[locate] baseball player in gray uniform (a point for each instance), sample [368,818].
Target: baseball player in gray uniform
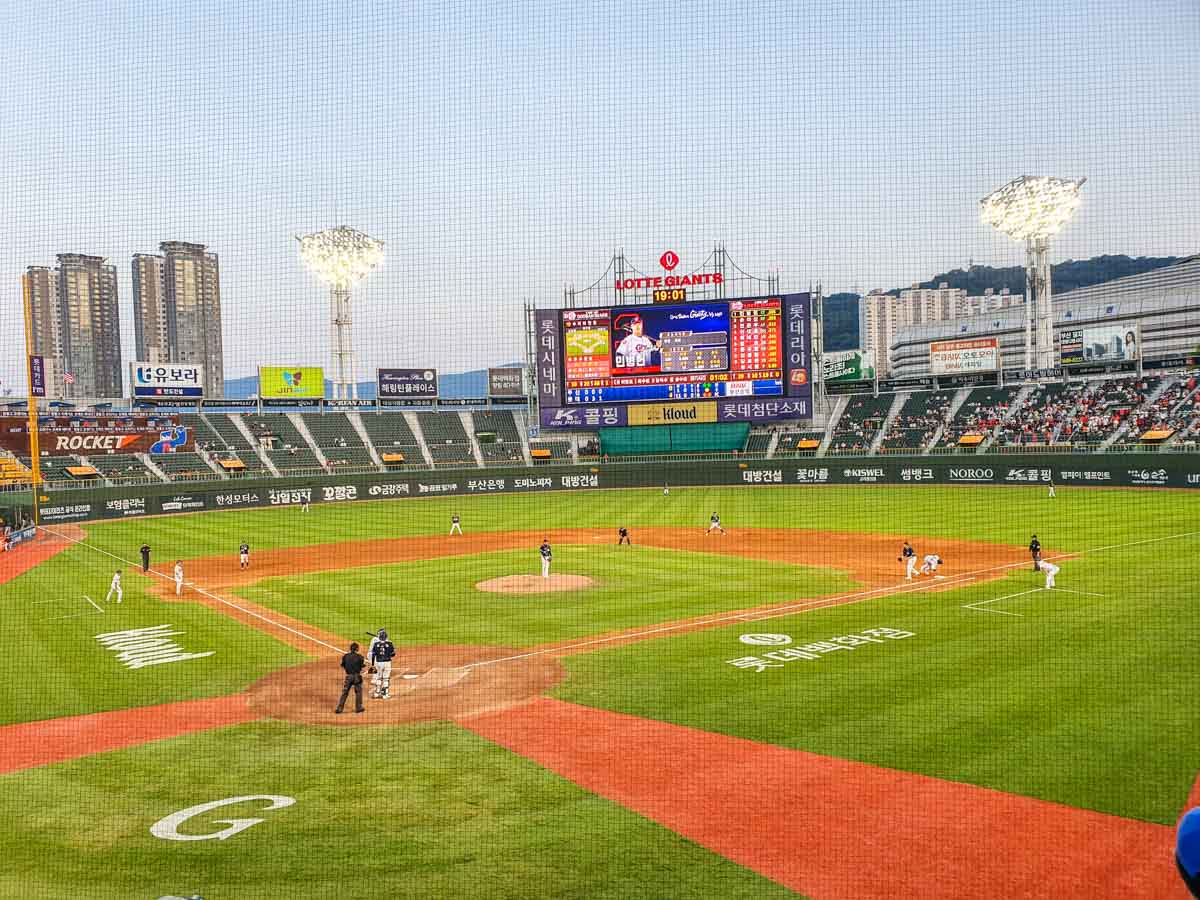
[547,554]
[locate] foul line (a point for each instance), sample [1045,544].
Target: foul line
[200,590]
[807,605]
[975,606]
[93,602]
[825,603]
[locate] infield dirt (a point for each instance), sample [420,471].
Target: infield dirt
[307,693]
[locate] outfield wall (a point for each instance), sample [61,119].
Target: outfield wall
[1123,470]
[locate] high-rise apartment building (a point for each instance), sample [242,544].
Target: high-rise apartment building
[39,287]
[149,310]
[73,310]
[177,310]
[881,316]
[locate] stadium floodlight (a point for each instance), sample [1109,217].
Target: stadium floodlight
[1032,209]
[341,257]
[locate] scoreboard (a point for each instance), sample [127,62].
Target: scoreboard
[737,360]
[692,351]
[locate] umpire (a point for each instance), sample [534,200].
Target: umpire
[352,664]
[1035,550]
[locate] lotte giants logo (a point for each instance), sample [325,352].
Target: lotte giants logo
[668,261]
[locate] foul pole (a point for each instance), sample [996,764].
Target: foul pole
[35,465]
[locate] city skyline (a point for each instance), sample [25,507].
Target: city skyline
[504,154]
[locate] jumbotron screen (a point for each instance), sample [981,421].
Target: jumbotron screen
[688,351]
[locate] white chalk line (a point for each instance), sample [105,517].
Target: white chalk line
[976,606]
[790,609]
[93,602]
[809,604]
[200,590]
[823,603]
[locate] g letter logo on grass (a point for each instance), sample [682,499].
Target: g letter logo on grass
[765,640]
[167,829]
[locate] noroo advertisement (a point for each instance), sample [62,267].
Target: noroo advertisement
[1065,471]
[291,382]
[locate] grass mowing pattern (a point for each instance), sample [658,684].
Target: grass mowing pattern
[429,811]
[435,601]
[1083,700]
[54,667]
[1078,699]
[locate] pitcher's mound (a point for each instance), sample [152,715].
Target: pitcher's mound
[535,584]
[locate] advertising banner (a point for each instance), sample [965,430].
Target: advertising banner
[284,382]
[37,376]
[1099,344]
[218,403]
[549,363]
[965,357]
[406,384]
[848,365]
[866,386]
[63,436]
[797,317]
[508,382]
[170,380]
[672,413]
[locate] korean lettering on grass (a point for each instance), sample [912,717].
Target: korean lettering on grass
[815,650]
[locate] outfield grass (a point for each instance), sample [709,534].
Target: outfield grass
[52,665]
[1080,699]
[1084,700]
[428,811]
[1078,519]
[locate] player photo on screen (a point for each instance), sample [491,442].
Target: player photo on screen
[634,348]
[662,339]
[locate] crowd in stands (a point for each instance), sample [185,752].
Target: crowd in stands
[863,418]
[981,413]
[1104,408]
[918,420]
[1123,408]
[1039,416]
[1175,409]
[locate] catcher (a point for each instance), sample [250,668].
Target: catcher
[380,657]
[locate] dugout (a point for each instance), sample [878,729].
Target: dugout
[718,438]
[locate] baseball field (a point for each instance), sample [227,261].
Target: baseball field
[775,711]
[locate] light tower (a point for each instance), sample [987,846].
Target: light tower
[1032,208]
[341,257]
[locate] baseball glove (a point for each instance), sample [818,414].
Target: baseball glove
[370,670]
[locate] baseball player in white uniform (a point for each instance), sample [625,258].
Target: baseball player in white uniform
[714,524]
[115,587]
[178,578]
[547,554]
[635,348]
[455,524]
[931,563]
[1051,570]
[244,555]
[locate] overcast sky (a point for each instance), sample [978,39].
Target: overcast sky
[502,150]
